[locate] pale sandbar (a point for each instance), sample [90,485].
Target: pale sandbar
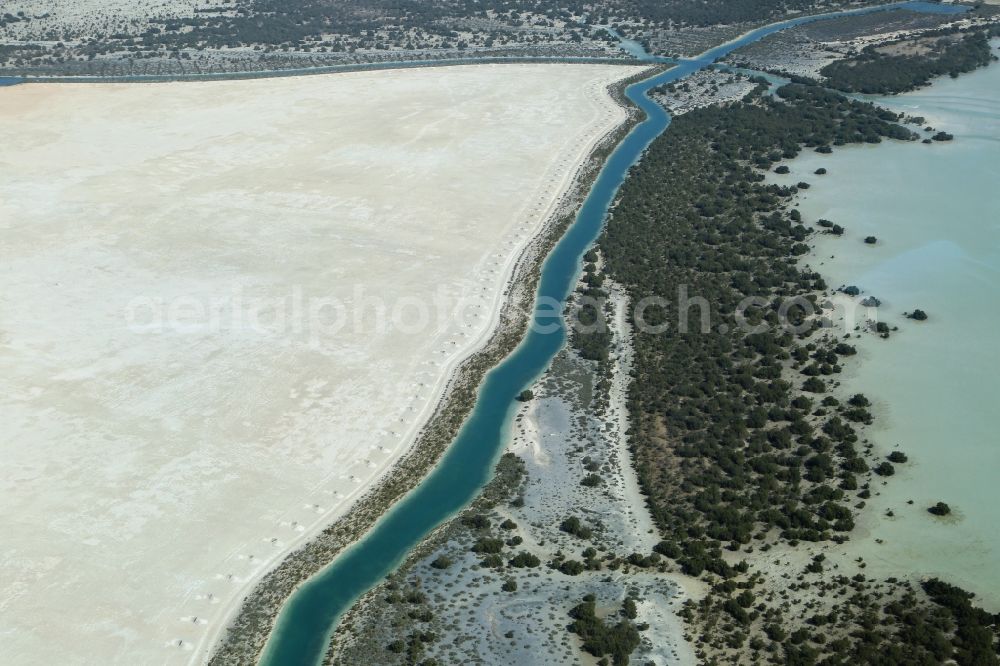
[179,407]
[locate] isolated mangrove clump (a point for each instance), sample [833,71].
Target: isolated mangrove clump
[940,509]
[885,469]
[830,227]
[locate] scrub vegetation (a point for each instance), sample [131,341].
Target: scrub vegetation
[727,443]
[742,441]
[902,66]
[739,441]
[741,445]
[270,35]
[695,13]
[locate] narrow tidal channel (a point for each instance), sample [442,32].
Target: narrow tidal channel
[303,628]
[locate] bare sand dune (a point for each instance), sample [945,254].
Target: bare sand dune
[179,404]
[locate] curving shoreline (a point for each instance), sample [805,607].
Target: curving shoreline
[546,450]
[301,631]
[247,631]
[450,396]
[912,413]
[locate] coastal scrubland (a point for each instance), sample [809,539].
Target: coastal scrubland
[741,439]
[897,50]
[748,452]
[714,387]
[904,65]
[554,540]
[704,88]
[753,460]
[192,37]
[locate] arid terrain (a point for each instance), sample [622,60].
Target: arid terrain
[235,305]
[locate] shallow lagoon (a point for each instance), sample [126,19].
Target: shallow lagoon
[936,384]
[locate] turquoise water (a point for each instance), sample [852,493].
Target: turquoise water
[303,628]
[634,48]
[305,624]
[935,384]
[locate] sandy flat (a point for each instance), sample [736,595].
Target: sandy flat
[195,375]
